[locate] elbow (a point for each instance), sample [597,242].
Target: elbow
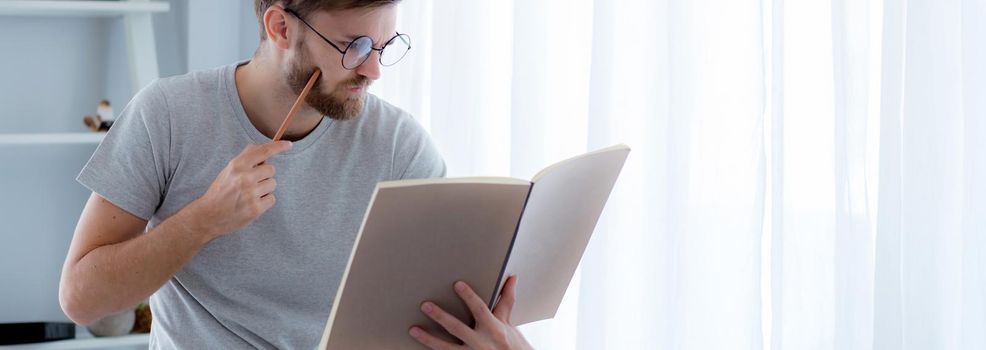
[73,305]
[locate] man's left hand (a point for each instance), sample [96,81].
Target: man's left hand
[493,329]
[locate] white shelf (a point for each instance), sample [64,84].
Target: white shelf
[125,341]
[94,8]
[52,138]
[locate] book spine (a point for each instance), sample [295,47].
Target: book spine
[503,268]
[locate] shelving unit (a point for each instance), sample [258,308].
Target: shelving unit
[51,138]
[49,161]
[79,8]
[141,50]
[142,53]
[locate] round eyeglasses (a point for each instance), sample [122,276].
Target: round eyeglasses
[358,50]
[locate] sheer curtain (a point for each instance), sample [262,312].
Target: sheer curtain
[879,233]
[803,174]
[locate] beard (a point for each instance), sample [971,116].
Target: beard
[327,103]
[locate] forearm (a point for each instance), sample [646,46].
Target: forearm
[117,276]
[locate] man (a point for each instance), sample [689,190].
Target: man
[231,262]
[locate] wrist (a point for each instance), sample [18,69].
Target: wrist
[194,222]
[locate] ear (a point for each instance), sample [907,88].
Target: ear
[276,26]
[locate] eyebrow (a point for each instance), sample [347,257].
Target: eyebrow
[350,37]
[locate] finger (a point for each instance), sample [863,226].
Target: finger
[476,305]
[265,187]
[506,303]
[451,324]
[266,202]
[262,172]
[429,340]
[260,153]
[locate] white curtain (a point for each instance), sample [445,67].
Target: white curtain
[878,231]
[803,174]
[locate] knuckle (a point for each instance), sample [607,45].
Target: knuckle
[247,150]
[254,208]
[475,308]
[457,328]
[242,164]
[500,337]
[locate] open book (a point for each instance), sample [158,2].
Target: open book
[420,236]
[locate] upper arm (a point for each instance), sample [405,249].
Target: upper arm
[102,223]
[132,165]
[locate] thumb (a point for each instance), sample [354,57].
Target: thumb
[507,298]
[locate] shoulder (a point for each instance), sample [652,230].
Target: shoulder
[165,93]
[413,152]
[187,99]
[192,86]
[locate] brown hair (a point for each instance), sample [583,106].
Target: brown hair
[305,7]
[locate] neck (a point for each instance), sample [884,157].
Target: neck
[266,99]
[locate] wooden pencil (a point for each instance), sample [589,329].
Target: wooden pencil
[297,105]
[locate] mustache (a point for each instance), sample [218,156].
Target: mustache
[359,81]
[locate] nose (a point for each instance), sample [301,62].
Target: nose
[371,67]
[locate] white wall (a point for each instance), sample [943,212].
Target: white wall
[220,32]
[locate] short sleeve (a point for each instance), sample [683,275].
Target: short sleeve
[417,154]
[130,168]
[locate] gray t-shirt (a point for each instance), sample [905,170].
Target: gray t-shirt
[271,284]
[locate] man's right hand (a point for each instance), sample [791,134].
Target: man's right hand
[242,191]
